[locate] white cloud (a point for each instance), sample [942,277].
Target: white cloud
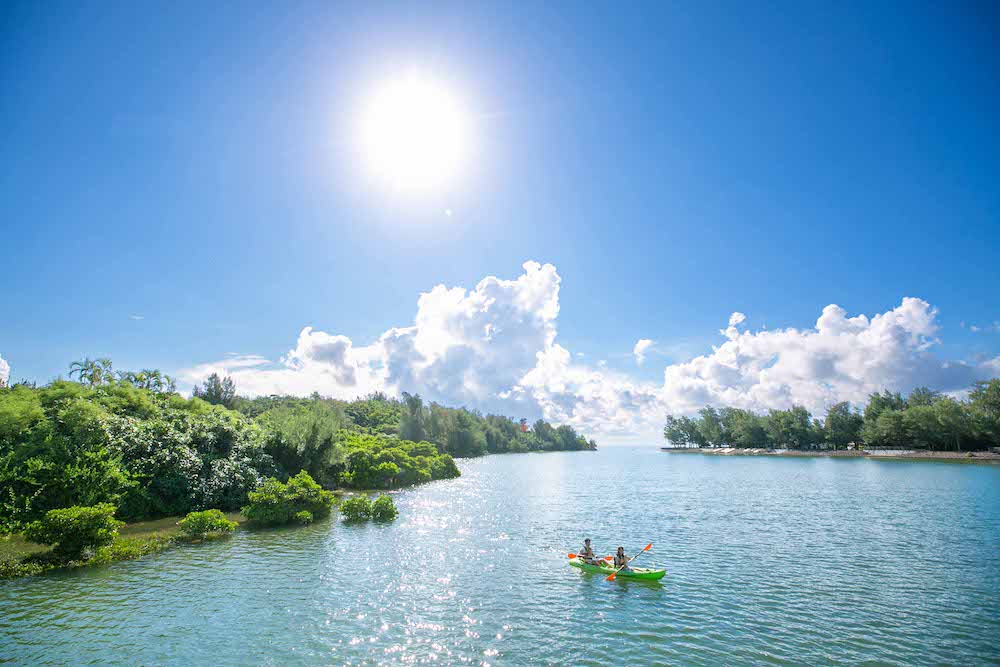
[494,348]
[641,348]
[594,400]
[136,316]
[842,358]
[974,328]
[734,321]
[4,371]
[465,347]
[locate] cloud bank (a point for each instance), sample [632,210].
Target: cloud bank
[494,348]
[4,371]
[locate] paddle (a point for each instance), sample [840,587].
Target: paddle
[571,556]
[611,577]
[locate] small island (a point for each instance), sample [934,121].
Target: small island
[926,425]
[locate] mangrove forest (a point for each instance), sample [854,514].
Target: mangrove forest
[129,440]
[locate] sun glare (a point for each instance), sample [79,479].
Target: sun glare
[414,135]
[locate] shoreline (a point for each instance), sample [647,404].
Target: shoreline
[149,536]
[134,540]
[877,455]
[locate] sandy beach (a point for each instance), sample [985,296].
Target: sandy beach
[890,454]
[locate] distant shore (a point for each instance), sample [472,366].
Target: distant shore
[880,454]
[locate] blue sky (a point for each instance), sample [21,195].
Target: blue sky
[195,166]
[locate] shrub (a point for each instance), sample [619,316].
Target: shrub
[304,517]
[268,505]
[130,548]
[11,567]
[443,467]
[275,504]
[358,508]
[378,462]
[200,524]
[307,495]
[383,509]
[74,530]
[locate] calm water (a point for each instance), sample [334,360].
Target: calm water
[769,560]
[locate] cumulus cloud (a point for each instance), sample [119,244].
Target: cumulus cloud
[466,347]
[495,348]
[641,348]
[595,400]
[4,371]
[842,358]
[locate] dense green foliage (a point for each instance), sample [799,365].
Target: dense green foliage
[75,530]
[362,508]
[217,391]
[925,419]
[150,453]
[200,524]
[358,508]
[381,463]
[383,509]
[306,435]
[276,503]
[127,439]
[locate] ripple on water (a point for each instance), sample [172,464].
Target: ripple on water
[769,561]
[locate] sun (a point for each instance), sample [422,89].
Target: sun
[414,134]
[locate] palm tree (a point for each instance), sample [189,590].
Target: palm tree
[152,379]
[81,369]
[88,371]
[127,376]
[104,371]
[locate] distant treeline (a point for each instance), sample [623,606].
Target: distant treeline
[128,439]
[923,420]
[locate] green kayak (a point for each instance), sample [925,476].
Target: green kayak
[636,573]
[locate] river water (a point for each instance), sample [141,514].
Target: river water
[769,561]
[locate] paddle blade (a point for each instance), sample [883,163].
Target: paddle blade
[571,555]
[610,577]
[648,547]
[608,558]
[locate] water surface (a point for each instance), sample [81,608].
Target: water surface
[769,561]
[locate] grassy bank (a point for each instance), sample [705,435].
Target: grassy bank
[19,558]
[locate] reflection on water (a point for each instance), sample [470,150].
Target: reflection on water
[782,561]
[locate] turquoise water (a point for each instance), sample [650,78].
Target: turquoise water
[769,561]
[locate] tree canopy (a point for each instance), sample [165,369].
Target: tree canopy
[925,419]
[128,439]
